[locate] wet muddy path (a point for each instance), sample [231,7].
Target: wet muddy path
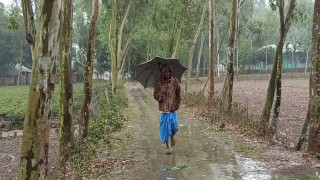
[198,154]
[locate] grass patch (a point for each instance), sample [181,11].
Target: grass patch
[239,120]
[13,101]
[84,155]
[110,118]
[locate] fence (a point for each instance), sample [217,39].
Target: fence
[7,79]
[12,79]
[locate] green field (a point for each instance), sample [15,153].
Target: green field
[13,100]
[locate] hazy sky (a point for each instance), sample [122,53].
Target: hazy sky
[6,2]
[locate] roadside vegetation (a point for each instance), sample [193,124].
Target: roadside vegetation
[13,101]
[86,160]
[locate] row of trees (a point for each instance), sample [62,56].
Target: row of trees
[49,35]
[268,126]
[130,32]
[167,28]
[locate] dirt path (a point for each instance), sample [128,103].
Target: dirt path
[199,153]
[202,155]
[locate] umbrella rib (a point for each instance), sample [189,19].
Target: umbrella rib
[145,85]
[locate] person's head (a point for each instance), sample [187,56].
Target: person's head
[165,72]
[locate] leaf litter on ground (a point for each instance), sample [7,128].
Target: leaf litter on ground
[177,167]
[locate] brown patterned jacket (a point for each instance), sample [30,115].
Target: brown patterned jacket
[169,101]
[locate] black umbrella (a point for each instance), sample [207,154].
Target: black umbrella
[148,73]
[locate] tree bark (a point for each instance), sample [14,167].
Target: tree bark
[35,141]
[314,127]
[265,116]
[177,43]
[305,68]
[124,55]
[66,90]
[20,65]
[228,81]
[113,44]
[89,69]
[199,56]
[115,41]
[212,10]
[29,24]
[193,45]
[273,126]
[303,134]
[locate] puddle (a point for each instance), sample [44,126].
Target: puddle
[202,155]
[250,169]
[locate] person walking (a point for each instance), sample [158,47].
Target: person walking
[167,93]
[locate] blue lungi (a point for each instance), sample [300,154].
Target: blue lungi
[168,126]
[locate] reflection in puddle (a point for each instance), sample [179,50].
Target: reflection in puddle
[250,169]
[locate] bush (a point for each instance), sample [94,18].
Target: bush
[110,117]
[194,99]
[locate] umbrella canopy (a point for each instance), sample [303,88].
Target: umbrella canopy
[148,73]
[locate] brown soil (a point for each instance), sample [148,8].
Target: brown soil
[294,104]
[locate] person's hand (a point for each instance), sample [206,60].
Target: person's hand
[163,89]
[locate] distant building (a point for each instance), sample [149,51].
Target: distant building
[10,77]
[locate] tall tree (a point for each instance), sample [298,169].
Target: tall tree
[113,43]
[264,120]
[66,93]
[212,11]
[89,69]
[199,56]
[194,44]
[314,106]
[272,129]
[35,141]
[181,29]
[228,81]
[117,50]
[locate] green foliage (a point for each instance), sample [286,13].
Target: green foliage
[81,154]
[11,39]
[177,167]
[13,21]
[111,117]
[317,155]
[13,101]
[193,99]
[284,178]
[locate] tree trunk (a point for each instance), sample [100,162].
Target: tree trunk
[314,127]
[228,81]
[113,44]
[89,69]
[263,123]
[120,51]
[236,38]
[20,66]
[303,134]
[266,61]
[65,101]
[212,10]
[218,54]
[305,68]
[199,56]
[35,141]
[273,126]
[124,55]
[177,43]
[192,47]
[115,41]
